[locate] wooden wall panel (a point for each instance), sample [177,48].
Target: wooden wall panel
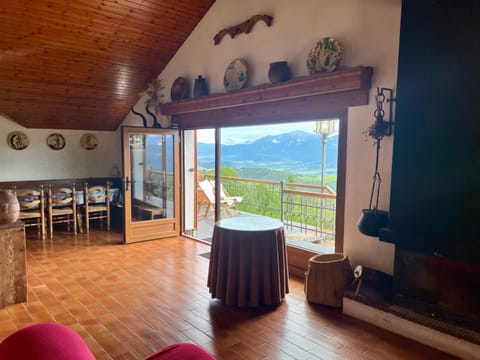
[81,64]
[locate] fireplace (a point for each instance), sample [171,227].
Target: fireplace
[434,210]
[440,288]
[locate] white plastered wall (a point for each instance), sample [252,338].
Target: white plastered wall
[38,161]
[369,33]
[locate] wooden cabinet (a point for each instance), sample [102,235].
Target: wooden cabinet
[13,266]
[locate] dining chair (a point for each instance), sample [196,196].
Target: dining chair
[32,208]
[96,205]
[62,208]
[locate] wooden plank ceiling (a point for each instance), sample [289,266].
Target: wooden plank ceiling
[80,64]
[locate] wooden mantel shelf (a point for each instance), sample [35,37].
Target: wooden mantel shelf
[308,97]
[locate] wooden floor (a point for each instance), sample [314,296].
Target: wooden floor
[128,300]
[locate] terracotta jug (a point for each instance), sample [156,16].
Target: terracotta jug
[9,207]
[279,72]
[180,89]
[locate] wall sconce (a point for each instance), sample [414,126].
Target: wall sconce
[382,127]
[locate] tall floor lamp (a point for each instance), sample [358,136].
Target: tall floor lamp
[324,128]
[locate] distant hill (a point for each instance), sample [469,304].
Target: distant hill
[296,151]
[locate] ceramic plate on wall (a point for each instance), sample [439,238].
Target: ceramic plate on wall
[324,56]
[18,140]
[235,75]
[88,141]
[56,141]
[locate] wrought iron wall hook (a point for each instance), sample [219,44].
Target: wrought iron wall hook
[390,99]
[382,127]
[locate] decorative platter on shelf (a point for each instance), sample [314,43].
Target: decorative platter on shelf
[325,56]
[18,140]
[56,141]
[235,75]
[88,141]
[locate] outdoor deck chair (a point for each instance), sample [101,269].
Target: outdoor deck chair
[224,195]
[206,196]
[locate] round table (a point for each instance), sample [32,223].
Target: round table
[248,261]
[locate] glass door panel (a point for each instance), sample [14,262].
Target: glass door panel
[151,165]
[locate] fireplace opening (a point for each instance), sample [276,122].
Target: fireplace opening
[440,288]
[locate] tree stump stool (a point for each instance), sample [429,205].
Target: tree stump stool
[326,278]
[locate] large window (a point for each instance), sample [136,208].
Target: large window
[286,171]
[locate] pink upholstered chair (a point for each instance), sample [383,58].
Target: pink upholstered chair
[51,341]
[181,351]
[45,341]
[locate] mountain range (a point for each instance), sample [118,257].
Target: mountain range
[296,152]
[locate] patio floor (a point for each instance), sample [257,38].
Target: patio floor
[294,236]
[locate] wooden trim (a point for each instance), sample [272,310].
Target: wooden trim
[308,97]
[310,193]
[218,154]
[298,260]
[27,184]
[155,228]
[341,183]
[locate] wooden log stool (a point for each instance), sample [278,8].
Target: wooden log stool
[326,278]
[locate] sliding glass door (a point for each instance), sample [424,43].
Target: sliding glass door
[285,171]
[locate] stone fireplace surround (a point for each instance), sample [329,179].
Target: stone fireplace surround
[423,301]
[417,330]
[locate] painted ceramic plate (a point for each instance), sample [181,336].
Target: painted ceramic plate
[235,75]
[18,140]
[324,56]
[88,141]
[56,141]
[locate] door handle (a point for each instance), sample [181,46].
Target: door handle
[127,183]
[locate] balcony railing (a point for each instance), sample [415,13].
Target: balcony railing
[309,209]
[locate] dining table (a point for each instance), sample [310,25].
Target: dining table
[248,261]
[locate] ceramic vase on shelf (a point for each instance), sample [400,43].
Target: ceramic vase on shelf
[279,72]
[200,88]
[180,89]
[9,207]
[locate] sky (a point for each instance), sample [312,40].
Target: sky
[247,134]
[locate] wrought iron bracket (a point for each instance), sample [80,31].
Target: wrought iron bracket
[390,99]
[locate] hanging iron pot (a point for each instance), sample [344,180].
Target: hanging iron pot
[372,220]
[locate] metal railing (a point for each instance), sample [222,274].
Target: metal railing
[309,208]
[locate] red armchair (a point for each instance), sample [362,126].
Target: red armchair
[45,341]
[51,341]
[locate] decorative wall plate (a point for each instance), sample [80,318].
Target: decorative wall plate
[235,75]
[18,140]
[324,56]
[56,141]
[88,141]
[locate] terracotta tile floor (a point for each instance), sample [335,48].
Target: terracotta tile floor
[128,300]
